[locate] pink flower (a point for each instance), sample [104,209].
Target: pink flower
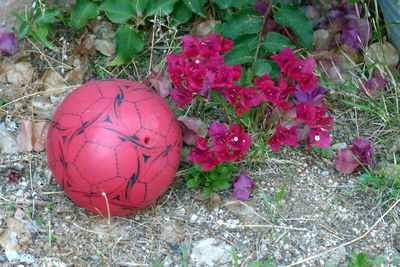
[211,45]
[226,45]
[219,132]
[249,98]
[190,45]
[223,153]
[209,161]
[195,80]
[238,139]
[180,96]
[320,138]
[226,75]
[243,185]
[302,72]
[363,149]
[283,136]
[306,112]
[285,59]
[197,154]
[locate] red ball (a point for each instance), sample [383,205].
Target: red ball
[114,146]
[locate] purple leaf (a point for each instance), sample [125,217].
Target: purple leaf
[315,96]
[8,43]
[373,87]
[363,149]
[191,128]
[261,7]
[346,161]
[159,82]
[243,186]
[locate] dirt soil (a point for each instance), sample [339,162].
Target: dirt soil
[321,211]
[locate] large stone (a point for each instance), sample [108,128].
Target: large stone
[8,8]
[210,252]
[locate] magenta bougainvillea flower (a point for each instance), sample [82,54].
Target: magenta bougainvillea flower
[8,43]
[363,149]
[306,112]
[285,59]
[320,137]
[243,186]
[201,67]
[283,136]
[225,144]
[181,97]
[349,159]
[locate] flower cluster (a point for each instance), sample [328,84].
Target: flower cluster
[200,68]
[225,144]
[299,95]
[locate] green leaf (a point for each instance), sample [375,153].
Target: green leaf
[160,7]
[242,3]
[46,17]
[246,21]
[118,11]
[294,18]
[192,183]
[139,6]
[181,14]
[40,35]
[207,192]
[274,74]
[223,4]
[221,185]
[239,54]
[129,42]
[24,16]
[82,11]
[274,42]
[24,29]
[261,67]
[196,6]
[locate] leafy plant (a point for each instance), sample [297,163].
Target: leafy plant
[217,178]
[363,260]
[38,22]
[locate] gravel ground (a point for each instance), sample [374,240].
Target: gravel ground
[320,211]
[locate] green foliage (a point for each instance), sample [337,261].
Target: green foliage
[259,264]
[363,260]
[261,67]
[185,253]
[160,7]
[387,179]
[158,264]
[181,14]
[118,11]
[323,151]
[294,18]
[82,11]
[245,21]
[39,222]
[196,6]
[217,178]
[274,42]
[37,23]
[239,54]
[129,42]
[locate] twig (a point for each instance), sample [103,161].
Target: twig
[349,242]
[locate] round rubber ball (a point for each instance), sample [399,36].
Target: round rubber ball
[114,146]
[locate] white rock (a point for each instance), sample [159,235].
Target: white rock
[210,252]
[8,141]
[382,53]
[20,73]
